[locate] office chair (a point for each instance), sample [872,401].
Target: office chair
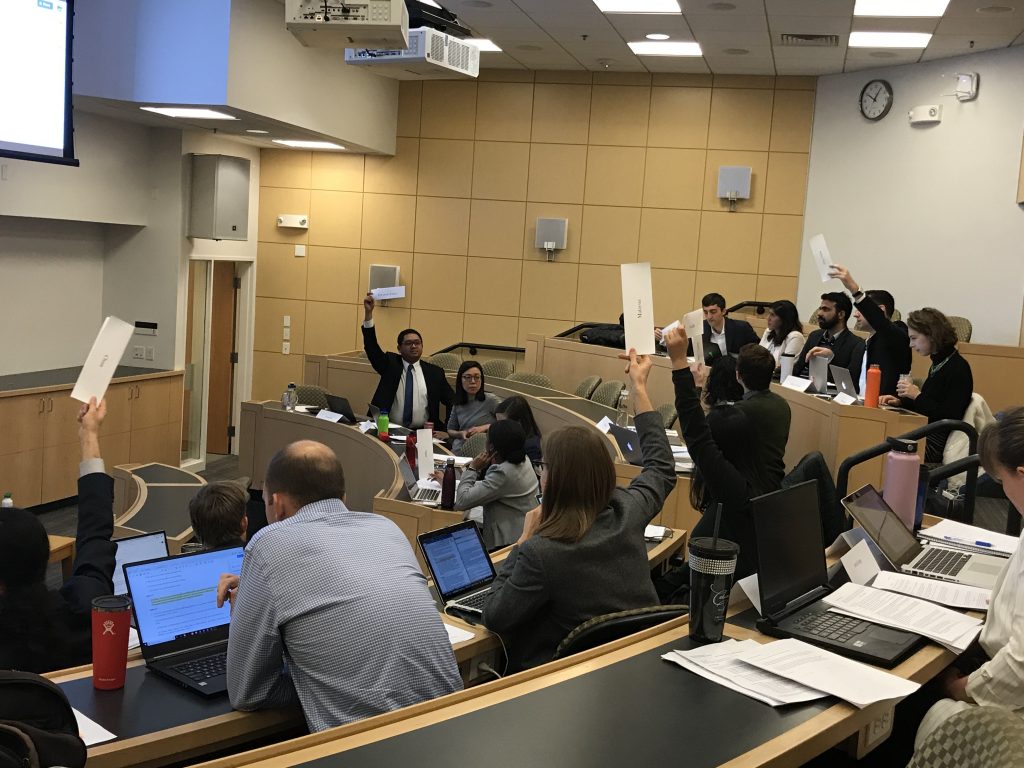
[980,737]
[528,377]
[447,360]
[963,327]
[611,626]
[472,446]
[813,467]
[668,414]
[586,387]
[497,369]
[608,393]
[310,394]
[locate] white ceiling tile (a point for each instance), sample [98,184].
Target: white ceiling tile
[969,9]
[809,55]
[861,58]
[980,25]
[942,46]
[494,60]
[688,65]
[753,52]
[635,27]
[734,39]
[809,25]
[717,23]
[743,8]
[809,7]
[736,68]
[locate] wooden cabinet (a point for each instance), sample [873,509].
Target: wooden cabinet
[39,449]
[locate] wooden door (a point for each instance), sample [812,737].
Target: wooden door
[222,347]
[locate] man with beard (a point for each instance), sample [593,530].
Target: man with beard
[833,339]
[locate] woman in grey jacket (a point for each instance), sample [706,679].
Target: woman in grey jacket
[501,480]
[582,552]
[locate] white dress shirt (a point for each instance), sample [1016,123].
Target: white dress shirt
[719,339]
[419,396]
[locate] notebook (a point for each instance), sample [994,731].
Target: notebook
[459,565]
[906,554]
[182,633]
[134,549]
[792,578]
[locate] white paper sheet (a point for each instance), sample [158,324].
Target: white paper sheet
[797,383]
[91,731]
[104,357]
[638,307]
[970,538]
[935,591]
[604,424]
[393,292]
[457,634]
[327,415]
[860,564]
[693,324]
[133,639]
[822,258]
[655,532]
[752,589]
[666,329]
[366,426]
[817,668]
[424,449]
[844,399]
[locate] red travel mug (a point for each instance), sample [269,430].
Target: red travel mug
[110,627]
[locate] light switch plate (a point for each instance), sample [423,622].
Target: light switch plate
[287,321]
[300,250]
[286,334]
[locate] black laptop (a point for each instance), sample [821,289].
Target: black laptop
[792,578]
[459,565]
[340,405]
[629,444]
[182,632]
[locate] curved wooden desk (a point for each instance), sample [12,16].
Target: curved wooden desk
[154,497]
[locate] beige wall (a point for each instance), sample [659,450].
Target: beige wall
[632,163]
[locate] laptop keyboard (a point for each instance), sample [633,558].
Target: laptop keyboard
[944,562]
[832,626]
[474,602]
[427,494]
[202,669]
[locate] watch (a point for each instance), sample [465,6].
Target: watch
[876,99]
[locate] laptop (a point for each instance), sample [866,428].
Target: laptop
[844,382]
[629,444]
[906,554]
[792,578]
[134,549]
[429,497]
[459,565]
[394,428]
[341,406]
[182,632]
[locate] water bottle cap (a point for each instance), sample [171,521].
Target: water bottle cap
[451,462]
[900,445]
[874,365]
[291,385]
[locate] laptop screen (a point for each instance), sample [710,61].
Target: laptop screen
[148,546]
[176,597]
[869,509]
[790,552]
[457,559]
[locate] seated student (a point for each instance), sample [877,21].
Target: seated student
[768,413]
[582,552]
[517,409]
[721,387]
[502,481]
[833,339]
[40,630]
[410,389]
[722,334]
[218,515]
[725,469]
[331,606]
[784,334]
[888,345]
[473,408]
[947,390]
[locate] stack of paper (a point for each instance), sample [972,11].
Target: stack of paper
[935,591]
[953,630]
[721,663]
[970,538]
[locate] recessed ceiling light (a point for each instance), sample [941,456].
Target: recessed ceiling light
[482,43]
[995,9]
[904,8]
[638,6]
[889,39]
[198,114]
[665,49]
[255,130]
[529,48]
[657,36]
[299,144]
[736,51]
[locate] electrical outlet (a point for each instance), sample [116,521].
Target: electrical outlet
[286,347]
[286,334]
[150,353]
[138,353]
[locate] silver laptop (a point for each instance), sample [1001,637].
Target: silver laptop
[906,554]
[844,382]
[429,497]
[459,565]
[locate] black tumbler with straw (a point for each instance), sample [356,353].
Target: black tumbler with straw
[712,566]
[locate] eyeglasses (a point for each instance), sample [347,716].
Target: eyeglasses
[412,343]
[471,377]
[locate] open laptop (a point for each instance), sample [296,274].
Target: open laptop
[135,549]
[341,406]
[629,444]
[844,382]
[792,578]
[459,565]
[906,554]
[394,428]
[183,634]
[429,497]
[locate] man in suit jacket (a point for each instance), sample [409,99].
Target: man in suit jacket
[888,346]
[411,389]
[768,412]
[722,334]
[833,339]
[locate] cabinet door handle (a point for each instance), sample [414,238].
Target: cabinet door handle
[42,405]
[131,391]
[49,405]
[138,391]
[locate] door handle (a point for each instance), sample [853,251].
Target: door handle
[42,405]
[49,405]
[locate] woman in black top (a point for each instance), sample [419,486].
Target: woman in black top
[517,409]
[947,391]
[719,445]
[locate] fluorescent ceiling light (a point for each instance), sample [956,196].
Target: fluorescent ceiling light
[299,144]
[199,114]
[889,39]
[657,36]
[255,130]
[482,43]
[901,8]
[430,2]
[665,49]
[638,6]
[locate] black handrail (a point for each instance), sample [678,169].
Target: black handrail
[760,306]
[474,347]
[577,329]
[949,425]
[969,464]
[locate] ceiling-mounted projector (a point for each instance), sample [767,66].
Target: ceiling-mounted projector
[431,55]
[337,24]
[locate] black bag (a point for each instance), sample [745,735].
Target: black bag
[37,724]
[606,335]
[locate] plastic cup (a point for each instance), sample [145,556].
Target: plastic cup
[712,566]
[786,363]
[110,628]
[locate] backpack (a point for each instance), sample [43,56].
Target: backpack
[606,335]
[37,724]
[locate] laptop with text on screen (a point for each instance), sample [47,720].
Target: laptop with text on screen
[792,578]
[135,549]
[459,565]
[182,632]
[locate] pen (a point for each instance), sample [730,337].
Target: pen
[968,542]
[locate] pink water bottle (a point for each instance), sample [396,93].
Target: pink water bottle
[902,470]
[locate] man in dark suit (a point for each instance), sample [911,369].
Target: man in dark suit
[410,389]
[833,339]
[768,412]
[722,334]
[888,346]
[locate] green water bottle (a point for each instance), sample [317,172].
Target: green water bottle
[382,425]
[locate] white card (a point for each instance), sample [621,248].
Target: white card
[797,383]
[693,323]
[860,564]
[424,452]
[638,307]
[844,399]
[90,731]
[110,344]
[329,415]
[394,292]
[604,424]
[457,634]
[822,258]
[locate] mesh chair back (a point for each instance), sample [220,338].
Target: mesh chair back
[612,626]
[896,315]
[529,377]
[473,446]
[497,369]
[668,414]
[586,387]
[447,360]
[310,394]
[979,737]
[963,327]
[608,393]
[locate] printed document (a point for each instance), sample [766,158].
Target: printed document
[970,538]
[104,357]
[935,591]
[638,307]
[822,258]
